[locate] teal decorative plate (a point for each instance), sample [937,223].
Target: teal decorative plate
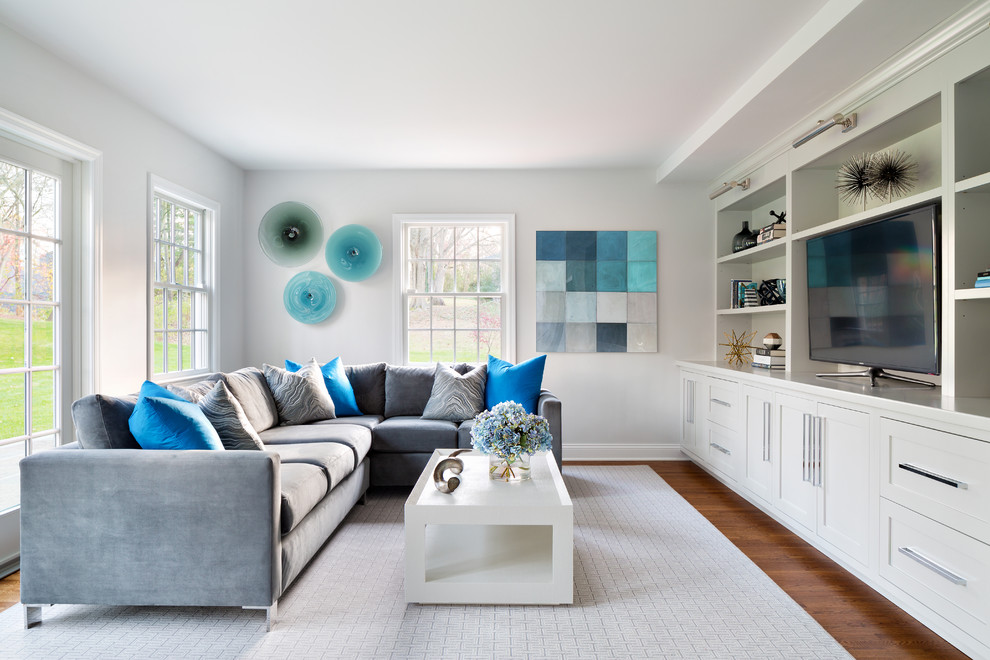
[310,297]
[354,253]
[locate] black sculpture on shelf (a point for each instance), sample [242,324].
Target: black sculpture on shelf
[770,293]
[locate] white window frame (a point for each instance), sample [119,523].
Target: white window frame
[210,210]
[400,224]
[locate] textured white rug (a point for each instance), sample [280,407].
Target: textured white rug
[652,579]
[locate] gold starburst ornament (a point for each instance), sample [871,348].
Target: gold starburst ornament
[739,348]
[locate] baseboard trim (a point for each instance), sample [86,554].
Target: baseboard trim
[612,452]
[9,566]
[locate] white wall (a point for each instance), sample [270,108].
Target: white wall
[614,405]
[134,142]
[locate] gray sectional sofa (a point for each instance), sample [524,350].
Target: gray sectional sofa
[218,528]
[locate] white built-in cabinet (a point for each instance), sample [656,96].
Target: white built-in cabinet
[893,483]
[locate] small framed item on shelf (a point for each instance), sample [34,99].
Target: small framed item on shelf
[983,279]
[749,294]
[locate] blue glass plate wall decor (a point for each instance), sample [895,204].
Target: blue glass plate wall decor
[354,253]
[310,297]
[290,234]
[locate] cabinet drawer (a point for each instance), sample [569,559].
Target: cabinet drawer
[941,475]
[723,402]
[943,569]
[724,453]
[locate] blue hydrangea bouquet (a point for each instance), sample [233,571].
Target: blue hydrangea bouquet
[510,436]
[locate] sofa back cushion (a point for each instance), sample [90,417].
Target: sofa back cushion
[101,422]
[368,382]
[250,388]
[407,389]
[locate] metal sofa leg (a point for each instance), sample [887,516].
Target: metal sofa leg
[32,616]
[270,614]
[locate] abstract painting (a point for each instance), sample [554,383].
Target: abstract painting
[596,291]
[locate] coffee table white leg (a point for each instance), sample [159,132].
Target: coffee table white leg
[563,560]
[415,557]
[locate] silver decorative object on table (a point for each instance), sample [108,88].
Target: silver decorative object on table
[453,464]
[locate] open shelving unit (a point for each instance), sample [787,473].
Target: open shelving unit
[939,120]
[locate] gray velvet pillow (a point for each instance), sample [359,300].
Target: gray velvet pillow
[228,418]
[407,389]
[456,397]
[300,397]
[368,383]
[250,388]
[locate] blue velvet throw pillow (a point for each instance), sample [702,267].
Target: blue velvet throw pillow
[339,387]
[163,420]
[520,383]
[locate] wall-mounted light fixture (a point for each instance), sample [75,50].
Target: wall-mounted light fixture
[726,187]
[847,122]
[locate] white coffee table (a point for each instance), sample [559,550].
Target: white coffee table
[489,541]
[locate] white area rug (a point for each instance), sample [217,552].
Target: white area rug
[652,579]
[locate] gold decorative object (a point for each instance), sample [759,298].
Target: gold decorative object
[739,348]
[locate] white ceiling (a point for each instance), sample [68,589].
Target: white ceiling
[479,83]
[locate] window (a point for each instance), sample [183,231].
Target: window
[455,275]
[181,326]
[32,311]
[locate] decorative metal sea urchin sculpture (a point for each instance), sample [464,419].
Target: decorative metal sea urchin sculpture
[853,179]
[891,174]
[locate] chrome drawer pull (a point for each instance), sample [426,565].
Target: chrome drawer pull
[931,565]
[715,445]
[722,403]
[955,483]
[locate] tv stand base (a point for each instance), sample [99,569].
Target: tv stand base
[873,373]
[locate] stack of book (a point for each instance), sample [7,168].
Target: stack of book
[983,280]
[768,358]
[771,232]
[736,296]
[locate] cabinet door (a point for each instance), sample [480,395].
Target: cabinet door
[845,477]
[796,496]
[757,468]
[689,412]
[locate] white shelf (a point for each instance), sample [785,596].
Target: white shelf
[762,309]
[971,294]
[764,252]
[865,216]
[979,184]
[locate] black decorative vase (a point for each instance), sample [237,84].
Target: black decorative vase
[744,239]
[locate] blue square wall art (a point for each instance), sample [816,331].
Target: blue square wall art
[596,291]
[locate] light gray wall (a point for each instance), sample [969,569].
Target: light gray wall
[615,405]
[134,142]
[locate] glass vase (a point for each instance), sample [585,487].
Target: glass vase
[511,468]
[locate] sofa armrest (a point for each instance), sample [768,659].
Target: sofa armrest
[137,527]
[549,406]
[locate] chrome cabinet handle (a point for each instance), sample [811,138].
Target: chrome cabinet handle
[805,446]
[715,445]
[722,403]
[934,476]
[933,565]
[820,451]
[766,431]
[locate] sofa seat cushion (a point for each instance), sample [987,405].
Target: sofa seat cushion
[367,421]
[336,460]
[303,486]
[354,436]
[414,435]
[464,434]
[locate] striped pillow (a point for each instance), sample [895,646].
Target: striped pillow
[300,397]
[456,397]
[228,418]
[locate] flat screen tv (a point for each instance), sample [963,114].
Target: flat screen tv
[873,295]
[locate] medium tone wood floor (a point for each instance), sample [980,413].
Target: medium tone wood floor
[863,621]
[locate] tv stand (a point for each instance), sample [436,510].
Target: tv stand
[873,373]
